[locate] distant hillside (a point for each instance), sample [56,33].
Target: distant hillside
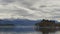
[21,22]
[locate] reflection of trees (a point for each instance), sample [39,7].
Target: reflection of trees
[46,30]
[47,26]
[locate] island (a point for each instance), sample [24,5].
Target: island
[47,26]
[48,23]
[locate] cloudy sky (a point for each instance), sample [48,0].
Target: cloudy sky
[30,9]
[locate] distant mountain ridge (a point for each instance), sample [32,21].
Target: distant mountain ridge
[21,22]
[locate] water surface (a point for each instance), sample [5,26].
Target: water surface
[28,30]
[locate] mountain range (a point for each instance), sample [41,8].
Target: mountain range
[21,22]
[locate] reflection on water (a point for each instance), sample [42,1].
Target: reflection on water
[29,30]
[6,28]
[17,28]
[47,30]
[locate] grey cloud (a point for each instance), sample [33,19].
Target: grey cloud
[45,10]
[6,2]
[20,12]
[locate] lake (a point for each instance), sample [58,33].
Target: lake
[28,30]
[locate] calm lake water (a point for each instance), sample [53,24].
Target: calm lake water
[28,30]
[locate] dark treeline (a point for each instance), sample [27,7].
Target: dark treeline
[47,26]
[47,23]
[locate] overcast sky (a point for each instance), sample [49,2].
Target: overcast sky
[30,9]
